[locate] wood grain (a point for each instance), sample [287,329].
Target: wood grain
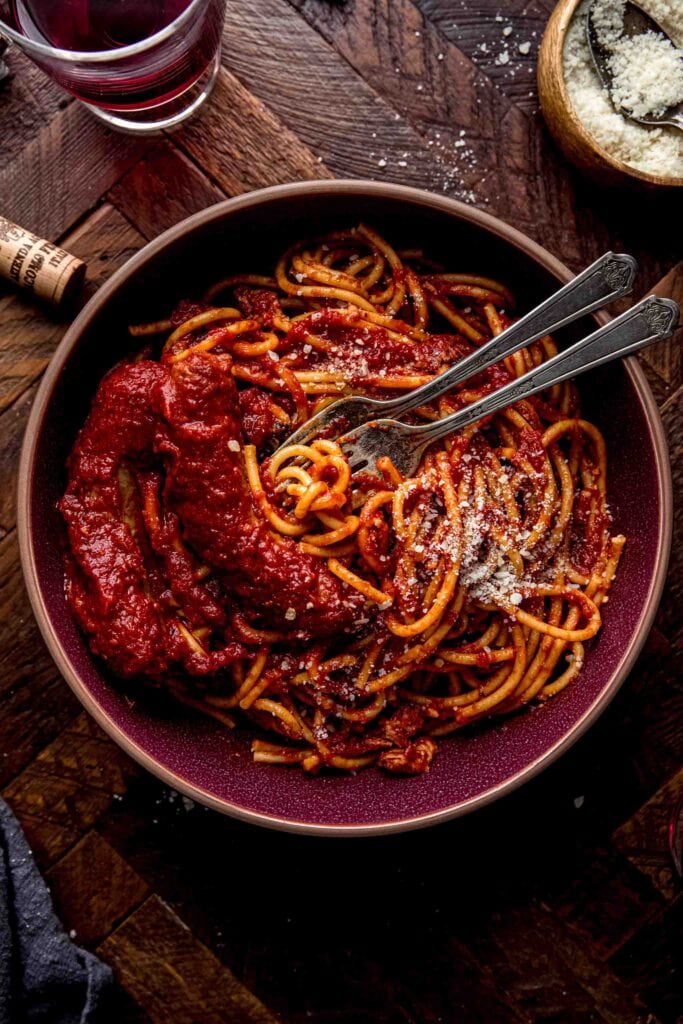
[330,107]
[644,837]
[172,976]
[29,333]
[670,617]
[67,787]
[508,161]
[555,906]
[29,98]
[242,145]
[667,359]
[12,424]
[35,702]
[162,189]
[63,170]
[651,962]
[606,902]
[546,971]
[481,30]
[481,145]
[93,889]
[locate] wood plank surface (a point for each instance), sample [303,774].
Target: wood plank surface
[501,39]
[173,976]
[94,889]
[62,171]
[29,98]
[558,905]
[29,333]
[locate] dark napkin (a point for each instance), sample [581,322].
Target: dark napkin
[44,977]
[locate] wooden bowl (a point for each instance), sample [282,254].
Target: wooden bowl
[194,754]
[575,141]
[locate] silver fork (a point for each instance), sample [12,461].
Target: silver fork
[648,321]
[607,279]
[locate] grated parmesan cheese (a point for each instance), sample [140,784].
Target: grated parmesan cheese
[486,570]
[647,69]
[648,76]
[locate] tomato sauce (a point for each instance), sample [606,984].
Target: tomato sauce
[183,423]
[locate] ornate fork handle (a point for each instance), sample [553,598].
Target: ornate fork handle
[608,278]
[648,321]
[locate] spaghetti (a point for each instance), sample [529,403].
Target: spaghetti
[356,620]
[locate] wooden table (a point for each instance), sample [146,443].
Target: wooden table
[556,905]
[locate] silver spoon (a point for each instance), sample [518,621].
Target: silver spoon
[635,23]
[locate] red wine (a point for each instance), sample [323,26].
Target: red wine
[163,71]
[94,24]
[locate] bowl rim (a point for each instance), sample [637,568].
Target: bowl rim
[351,188]
[562,17]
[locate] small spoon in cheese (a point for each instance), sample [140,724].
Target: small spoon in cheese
[639,65]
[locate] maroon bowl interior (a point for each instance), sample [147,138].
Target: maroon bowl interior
[213,764]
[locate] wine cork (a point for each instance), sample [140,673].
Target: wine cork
[38,266]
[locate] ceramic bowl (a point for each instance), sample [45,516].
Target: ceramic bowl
[212,764]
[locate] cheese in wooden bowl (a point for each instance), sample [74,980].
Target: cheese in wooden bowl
[647,77]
